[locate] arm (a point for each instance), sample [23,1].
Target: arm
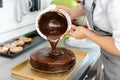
[73,12]
[76,12]
[105,42]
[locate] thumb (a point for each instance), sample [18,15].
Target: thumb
[73,27]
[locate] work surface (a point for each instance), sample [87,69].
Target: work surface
[7,63]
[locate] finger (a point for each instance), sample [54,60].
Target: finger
[58,7]
[73,27]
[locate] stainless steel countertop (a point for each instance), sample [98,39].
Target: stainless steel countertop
[7,63]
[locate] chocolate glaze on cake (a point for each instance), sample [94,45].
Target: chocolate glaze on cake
[53,25]
[43,61]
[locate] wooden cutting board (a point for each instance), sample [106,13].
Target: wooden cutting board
[23,71]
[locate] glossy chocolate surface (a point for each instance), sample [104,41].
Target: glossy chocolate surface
[53,25]
[43,61]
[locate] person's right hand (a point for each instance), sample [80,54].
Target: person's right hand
[77,32]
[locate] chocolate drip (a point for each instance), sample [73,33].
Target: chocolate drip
[53,25]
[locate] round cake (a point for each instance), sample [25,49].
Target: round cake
[42,60]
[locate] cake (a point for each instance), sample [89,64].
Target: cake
[52,60]
[43,61]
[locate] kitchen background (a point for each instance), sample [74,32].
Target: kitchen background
[15,20]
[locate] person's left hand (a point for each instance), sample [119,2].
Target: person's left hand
[77,32]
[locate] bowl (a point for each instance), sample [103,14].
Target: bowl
[52,8]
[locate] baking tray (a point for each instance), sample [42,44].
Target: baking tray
[22,71]
[36,40]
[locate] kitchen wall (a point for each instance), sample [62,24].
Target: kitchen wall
[9,27]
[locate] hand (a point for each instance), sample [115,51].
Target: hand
[77,32]
[74,13]
[67,9]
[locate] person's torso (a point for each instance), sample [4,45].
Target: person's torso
[99,16]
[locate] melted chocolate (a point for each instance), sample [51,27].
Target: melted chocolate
[53,25]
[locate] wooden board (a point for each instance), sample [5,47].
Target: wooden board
[22,70]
